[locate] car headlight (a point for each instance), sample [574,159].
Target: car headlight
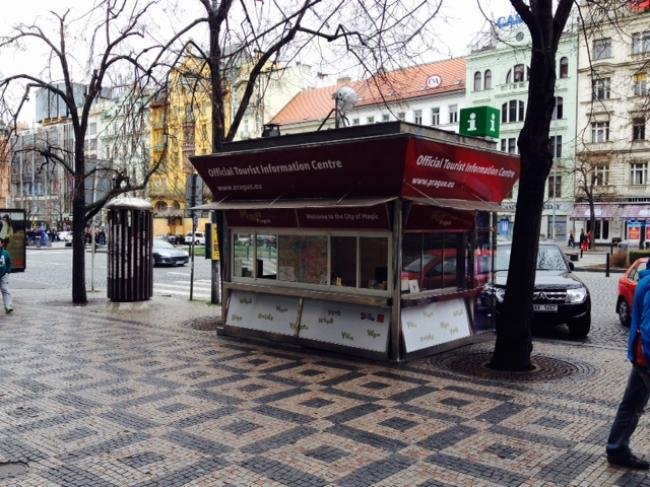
[576,295]
[164,255]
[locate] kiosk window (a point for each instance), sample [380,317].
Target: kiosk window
[373,263]
[432,260]
[243,254]
[267,256]
[344,261]
[302,259]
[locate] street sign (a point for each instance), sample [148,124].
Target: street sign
[479,122]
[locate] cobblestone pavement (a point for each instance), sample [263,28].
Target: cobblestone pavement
[136,397]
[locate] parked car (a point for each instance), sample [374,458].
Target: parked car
[559,295]
[198,239]
[626,288]
[165,253]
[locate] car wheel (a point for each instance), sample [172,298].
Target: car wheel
[623,311]
[580,327]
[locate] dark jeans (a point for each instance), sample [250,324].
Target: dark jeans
[634,401]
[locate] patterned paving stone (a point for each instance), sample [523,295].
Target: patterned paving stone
[327,454]
[135,399]
[399,424]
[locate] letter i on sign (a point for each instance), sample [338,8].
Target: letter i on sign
[471,122]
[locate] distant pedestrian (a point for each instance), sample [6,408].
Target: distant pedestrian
[583,237]
[572,240]
[637,391]
[590,239]
[5,269]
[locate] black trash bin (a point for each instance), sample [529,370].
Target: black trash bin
[130,260]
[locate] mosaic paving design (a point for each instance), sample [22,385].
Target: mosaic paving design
[90,399]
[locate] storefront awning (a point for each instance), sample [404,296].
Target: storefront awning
[279,203]
[632,212]
[601,211]
[460,204]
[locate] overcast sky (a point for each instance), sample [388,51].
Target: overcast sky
[455,28]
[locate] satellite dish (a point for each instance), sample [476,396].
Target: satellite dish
[345,100]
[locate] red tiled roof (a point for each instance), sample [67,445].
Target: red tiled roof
[404,84]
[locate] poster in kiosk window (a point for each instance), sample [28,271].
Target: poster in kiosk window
[12,231]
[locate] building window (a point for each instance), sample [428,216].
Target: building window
[639,82]
[401,116]
[509,145]
[601,89]
[600,175]
[92,128]
[487,80]
[638,173]
[478,78]
[599,132]
[370,120]
[435,116]
[602,48]
[385,117]
[558,110]
[641,42]
[554,186]
[512,111]
[564,67]
[355,121]
[519,72]
[638,128]
[555,143]
[453,113]
[417,117]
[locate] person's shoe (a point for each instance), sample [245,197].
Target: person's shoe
[9,309]
[628,460]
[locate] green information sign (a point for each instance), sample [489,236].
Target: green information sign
[479,122]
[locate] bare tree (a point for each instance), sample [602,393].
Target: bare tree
[111,29]
[545,23]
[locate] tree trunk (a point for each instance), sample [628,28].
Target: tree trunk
[514,337]
[78,232]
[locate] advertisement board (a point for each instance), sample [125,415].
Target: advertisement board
[350,325]
[263,312]
[12,232]
[434,323]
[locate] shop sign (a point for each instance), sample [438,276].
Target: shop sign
[263,312]
[434,324]
[366,218]
[349,325]
[509,22]
[351,168]
[278,217]
[450,171]
[433,81]
[481,121]
[12,231]
[432,218]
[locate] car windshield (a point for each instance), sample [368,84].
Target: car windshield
[549,258]
[415,265]
[161,244]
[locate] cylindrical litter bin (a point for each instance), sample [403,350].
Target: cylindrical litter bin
[130,260]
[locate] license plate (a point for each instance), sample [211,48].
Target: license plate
[545,307]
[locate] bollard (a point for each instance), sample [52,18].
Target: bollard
[607,265]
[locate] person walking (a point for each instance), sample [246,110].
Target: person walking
[5,269]
[572,240]
[637,391]
[583,237]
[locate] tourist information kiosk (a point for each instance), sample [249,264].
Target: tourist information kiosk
[372,240]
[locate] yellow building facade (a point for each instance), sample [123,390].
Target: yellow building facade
[180,128]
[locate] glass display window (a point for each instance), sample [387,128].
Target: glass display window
[243,254]
[331,261]
[344,261]
[433,260]
[373,263]
[303,258]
